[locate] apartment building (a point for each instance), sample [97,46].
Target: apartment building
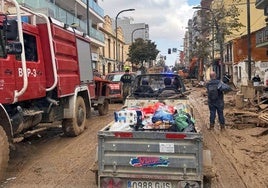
[237,53]
[133,31]
[235,48]
[108,52]
[74,12]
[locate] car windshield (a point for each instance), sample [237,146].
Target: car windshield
[114,77]
[158,85]
[157,81]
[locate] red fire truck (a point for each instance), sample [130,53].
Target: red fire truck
[46,76]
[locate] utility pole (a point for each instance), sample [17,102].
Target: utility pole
[249,40]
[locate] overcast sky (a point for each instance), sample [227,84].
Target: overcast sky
[167,20]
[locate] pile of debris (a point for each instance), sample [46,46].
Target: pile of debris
[249,106]
[244,107]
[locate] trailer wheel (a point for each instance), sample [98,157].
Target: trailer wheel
[4,152]
[76,125]
[103,108]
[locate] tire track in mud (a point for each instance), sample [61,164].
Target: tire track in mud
[58,161]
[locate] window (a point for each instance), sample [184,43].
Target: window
[30,48]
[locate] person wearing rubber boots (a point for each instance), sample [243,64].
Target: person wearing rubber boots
[216,100]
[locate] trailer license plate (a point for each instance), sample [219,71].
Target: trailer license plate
[148,184]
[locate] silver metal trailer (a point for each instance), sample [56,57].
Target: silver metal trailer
[149,159]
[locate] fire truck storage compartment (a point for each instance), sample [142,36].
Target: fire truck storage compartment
[84,59]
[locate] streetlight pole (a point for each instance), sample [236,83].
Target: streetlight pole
[88,33]
[219,38]
[134,31]
[116,38]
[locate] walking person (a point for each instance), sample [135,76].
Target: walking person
[126,79]
[216,100]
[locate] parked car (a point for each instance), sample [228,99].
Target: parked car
[115,87]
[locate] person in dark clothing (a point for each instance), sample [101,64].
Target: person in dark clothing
[144,90]
[126,79]
[256,80]
[215,101]
[176,83]
[167,82]
[169,89]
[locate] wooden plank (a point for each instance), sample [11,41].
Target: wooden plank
[264,117]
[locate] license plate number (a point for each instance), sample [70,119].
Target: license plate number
[148,184]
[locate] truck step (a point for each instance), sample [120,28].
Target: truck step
[31,112]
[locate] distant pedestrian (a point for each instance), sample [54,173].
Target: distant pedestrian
[126,79]
[256,80]
[216,100]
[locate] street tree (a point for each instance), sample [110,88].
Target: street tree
[142,50]
[218,22]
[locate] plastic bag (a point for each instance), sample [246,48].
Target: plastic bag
[181,121]
[184,120]
[162,115]
[117,126]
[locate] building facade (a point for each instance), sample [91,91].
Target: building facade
[74,13]
[108,52]
[235,48]
[132,31]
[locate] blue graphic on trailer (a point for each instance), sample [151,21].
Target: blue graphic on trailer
[149,162]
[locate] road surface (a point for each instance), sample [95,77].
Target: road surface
[239,156]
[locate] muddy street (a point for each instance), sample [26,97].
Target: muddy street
[239,156]
[53,160]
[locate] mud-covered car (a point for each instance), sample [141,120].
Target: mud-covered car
[115,87]
[157,85]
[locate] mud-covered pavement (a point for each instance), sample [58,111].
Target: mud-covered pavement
[239,156]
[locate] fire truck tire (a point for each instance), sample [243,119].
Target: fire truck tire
[75,126]
[4,152]
[103,108]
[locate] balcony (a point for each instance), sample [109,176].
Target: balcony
[261,4]
[94,6]
[262,38]
[60,14]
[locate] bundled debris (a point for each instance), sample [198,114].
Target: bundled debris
[154,117]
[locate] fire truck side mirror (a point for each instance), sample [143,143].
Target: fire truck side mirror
[14,48]
[12,30]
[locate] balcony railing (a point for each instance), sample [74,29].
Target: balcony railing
[94,6]
[262,37]
[60,14]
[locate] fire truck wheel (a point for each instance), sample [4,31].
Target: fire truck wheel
[76,125]
[4,152]
[103,108]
